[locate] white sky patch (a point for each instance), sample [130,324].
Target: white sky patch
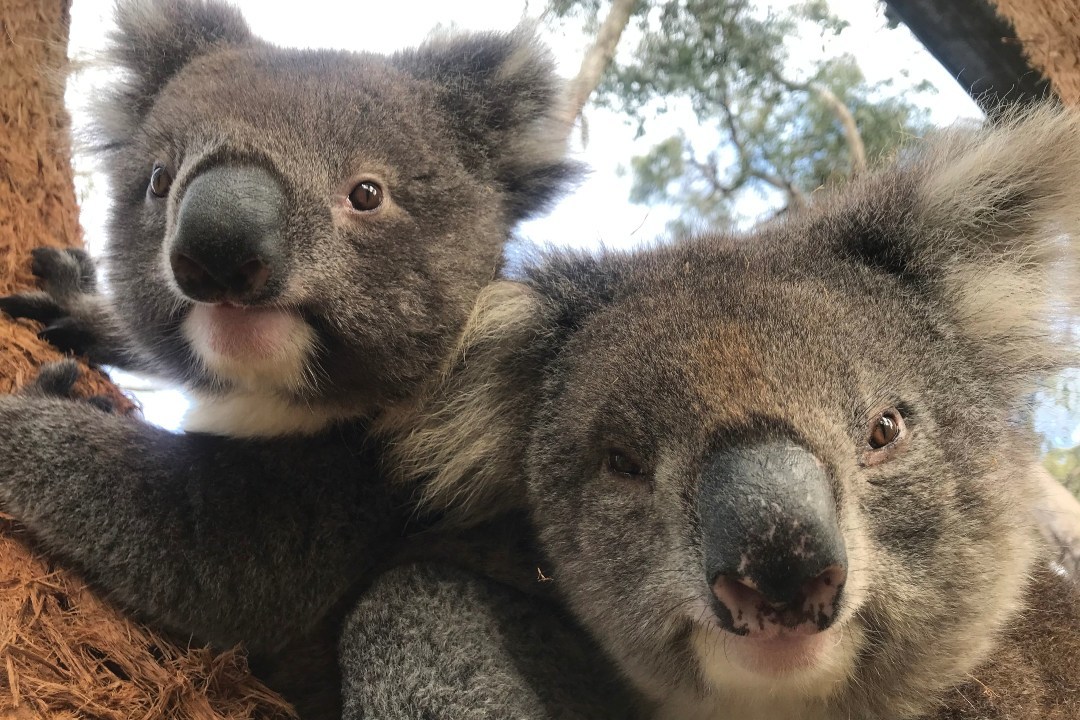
[599,212]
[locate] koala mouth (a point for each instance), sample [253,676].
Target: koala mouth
[237,332]
[253,347]
[781,654]
[794,663]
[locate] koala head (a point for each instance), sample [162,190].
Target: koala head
[313,223]
[784,474]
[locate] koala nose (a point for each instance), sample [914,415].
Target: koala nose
[775,557]
[227,244]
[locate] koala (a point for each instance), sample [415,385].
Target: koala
[298,237]
[785,474]
[321,220]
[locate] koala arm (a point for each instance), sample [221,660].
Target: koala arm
[435,640]
[77,318]
[229,540]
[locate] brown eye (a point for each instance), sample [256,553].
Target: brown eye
[160,181]
[620,463]
[366,196]
[886,429]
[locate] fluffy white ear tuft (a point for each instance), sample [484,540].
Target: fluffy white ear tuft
[998,221]
[462,444]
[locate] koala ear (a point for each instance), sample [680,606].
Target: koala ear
[463,443]
[575,284]
[503,97]
[991,223]
[153,40]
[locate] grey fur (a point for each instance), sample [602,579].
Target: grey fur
[253,539]
[935,286]
[432,641]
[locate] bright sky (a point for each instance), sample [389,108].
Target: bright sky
[599,211]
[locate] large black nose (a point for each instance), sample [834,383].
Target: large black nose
[228,245]
[775,557]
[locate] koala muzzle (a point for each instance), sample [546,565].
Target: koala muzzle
[227,245]
[774,554]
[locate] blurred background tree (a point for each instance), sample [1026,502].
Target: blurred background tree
[767,128]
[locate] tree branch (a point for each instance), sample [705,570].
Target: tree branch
[796,197]
[843,114]
[597,59]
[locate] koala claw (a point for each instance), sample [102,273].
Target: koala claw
[57,379]
[32,306]
[64,270]
[67,335]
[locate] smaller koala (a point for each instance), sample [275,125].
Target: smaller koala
[297,237]
[787,474]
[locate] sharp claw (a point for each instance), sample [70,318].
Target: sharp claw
[66,335]
[32,306]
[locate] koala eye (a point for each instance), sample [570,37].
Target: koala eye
[620,463]
[366,196]
[886,429]
[886,436]
[160,181]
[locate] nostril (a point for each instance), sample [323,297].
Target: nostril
[820,595]
[219,281]
[811,607]
[192,276]
[252,275]
[741,601]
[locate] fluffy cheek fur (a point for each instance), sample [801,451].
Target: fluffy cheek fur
[909,605]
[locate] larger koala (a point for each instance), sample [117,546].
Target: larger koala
[786,475]
[298,237]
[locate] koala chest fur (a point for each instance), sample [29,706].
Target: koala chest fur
[787,474]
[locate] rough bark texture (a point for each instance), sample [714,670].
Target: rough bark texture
[63,652]
[1050,33]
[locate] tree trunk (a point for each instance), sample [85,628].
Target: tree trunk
[63,652]
[597,59]
[1050,33]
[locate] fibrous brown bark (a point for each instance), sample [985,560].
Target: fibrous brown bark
[63,652]
[1050,33]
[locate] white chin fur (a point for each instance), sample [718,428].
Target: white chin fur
[278,368]
[261,380]
[737,692]
[241,414]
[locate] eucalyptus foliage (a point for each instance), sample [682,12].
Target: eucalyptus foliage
[766,128]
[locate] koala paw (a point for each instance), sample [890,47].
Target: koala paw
[65,272]
[68,276]
[58,380]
